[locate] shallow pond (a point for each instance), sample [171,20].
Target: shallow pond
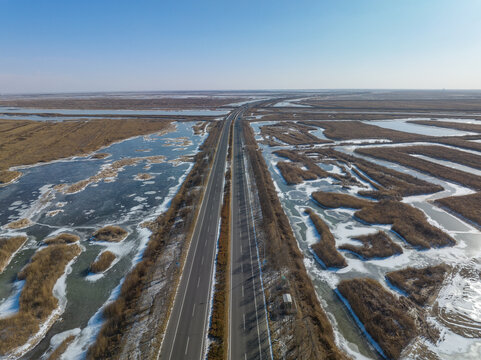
[125,201]
[460,291]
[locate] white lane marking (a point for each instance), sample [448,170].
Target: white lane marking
[202,262]
[241,248]
[242,290]
[187,345]
[198,281]
[193,310]
[244,316]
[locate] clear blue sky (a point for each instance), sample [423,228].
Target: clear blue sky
[96,45]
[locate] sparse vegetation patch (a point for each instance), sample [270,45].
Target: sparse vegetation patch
[8,246]
[110,233]
[378,245]
[103,262]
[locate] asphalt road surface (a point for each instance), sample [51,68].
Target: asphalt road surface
[248,332]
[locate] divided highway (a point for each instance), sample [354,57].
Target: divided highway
[187,329]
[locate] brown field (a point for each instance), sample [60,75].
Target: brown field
[422,285]
[8,246]
[386,318]
[220,305]
[291,133]
[337,200]
[293,174]
[449,124]
[431,168]
[64,238]
[408,222]
[110,233]
[390,105]
[462,143]
[36,300]
[19,224]
[378,245]
[350,130]
[128,310]
[387,182]
[109,103]
[312,334]
[444,153]
[325,249]
[468,206]
[103,262]
[24,142]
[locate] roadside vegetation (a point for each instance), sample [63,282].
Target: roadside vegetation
[422,285]
[386,318]
[103,262]
[311,332]
[378,245]
[37,301]
[325,249]
[218,330]
[8,247]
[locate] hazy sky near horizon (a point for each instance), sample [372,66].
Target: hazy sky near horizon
[120,45]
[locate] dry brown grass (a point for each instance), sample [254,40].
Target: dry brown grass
[143,176]
[350,130]
[325,249]
[466,206]
[386,318]
[449,124]
[378,245]
[57,353]
[24,142]
[100,155]
[442,172]
[8,246]
[63,238]
[103,262]
[387,182]
[408,222]
[312,337]
[422,285]
[291,133]
[19,224]
[337,200]
[293,174]
[7,177]
[108,103]
[110,233]
[36,300]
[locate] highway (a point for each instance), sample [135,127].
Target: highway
[186,333]
[248,332]
[187,328]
